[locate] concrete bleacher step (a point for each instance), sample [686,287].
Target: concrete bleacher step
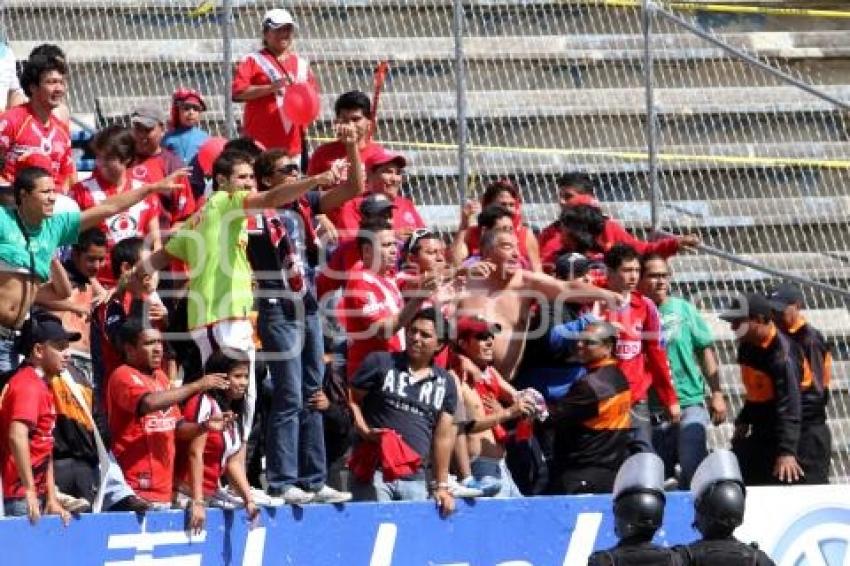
[686,215]
[441,105]
[588,49]
[831,322]
[340,18]
[701,268]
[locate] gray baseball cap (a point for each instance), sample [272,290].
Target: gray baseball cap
[148,115]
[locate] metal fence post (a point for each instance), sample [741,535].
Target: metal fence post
[648,10]
[460,92]
[227,50]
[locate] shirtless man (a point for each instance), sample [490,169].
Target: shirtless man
[484,392]
[504,294]
[30,235]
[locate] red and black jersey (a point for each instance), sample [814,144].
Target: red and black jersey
[591,422]
[771,372]
[817,371]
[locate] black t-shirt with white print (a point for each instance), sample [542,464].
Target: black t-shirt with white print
[393,401]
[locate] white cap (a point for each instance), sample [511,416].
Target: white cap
[278,18]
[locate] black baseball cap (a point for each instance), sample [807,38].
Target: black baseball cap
[786,294]
[45,327]
[751,305]
[375,204]
[571,266]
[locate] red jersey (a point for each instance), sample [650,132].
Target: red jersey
[640,351]
[552,243]
[263,118]
[21,133]
[368,298]
[329,153]
[27,399]
[344,259]
[133,222]
[176,206]
[219,447]
[143,445]
[405,217]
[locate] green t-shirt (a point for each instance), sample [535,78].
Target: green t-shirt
[61,229]
[212,243]
[685,333]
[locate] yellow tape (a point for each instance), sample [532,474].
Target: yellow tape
[731,8]
[629,155]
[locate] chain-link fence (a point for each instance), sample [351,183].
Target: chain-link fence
[754,165]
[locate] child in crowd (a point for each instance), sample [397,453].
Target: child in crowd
[185,136]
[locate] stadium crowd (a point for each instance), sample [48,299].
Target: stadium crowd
[237,323]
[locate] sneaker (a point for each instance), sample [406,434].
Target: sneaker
[490,486]
[327,494]
[265,499]
[73,504]
[294,495]
[671,484]
[466,489]
[133,503]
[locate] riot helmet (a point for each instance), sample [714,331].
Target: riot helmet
[639,497]
[719,494]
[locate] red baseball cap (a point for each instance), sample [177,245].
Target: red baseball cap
[382,157]
[189,95]
[472,325]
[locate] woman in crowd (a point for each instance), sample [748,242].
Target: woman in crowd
[211,445]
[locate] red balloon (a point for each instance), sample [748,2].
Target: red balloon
[209,152]
[301,104]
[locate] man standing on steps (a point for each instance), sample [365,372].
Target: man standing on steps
[767,429]
[815,446]
[32,128]
[693,365]
[153,163]
[639,345]
[30,235]
[261,80]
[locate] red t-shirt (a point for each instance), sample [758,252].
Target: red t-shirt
[143,446]
[219,447]
[262,118]
[333,274]
[21,132]
[553,244]
[640,351]
[368,298]
[176,206]
[329,153]
[405,217]
[26,398]
[133,222]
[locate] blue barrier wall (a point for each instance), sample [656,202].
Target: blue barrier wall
[539,531]
[807,525]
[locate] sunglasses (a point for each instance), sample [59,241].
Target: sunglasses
[482,336]
[591,341]
[416,236]
[290,169]
[190,106]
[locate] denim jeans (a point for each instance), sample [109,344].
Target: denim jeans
[18,507]
[491,470]
[396,490]
[684,443]
[295,444]
[641,427]
[115,487]
[8,355]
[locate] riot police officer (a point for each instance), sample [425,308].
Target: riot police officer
[719,493]
[638,512]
